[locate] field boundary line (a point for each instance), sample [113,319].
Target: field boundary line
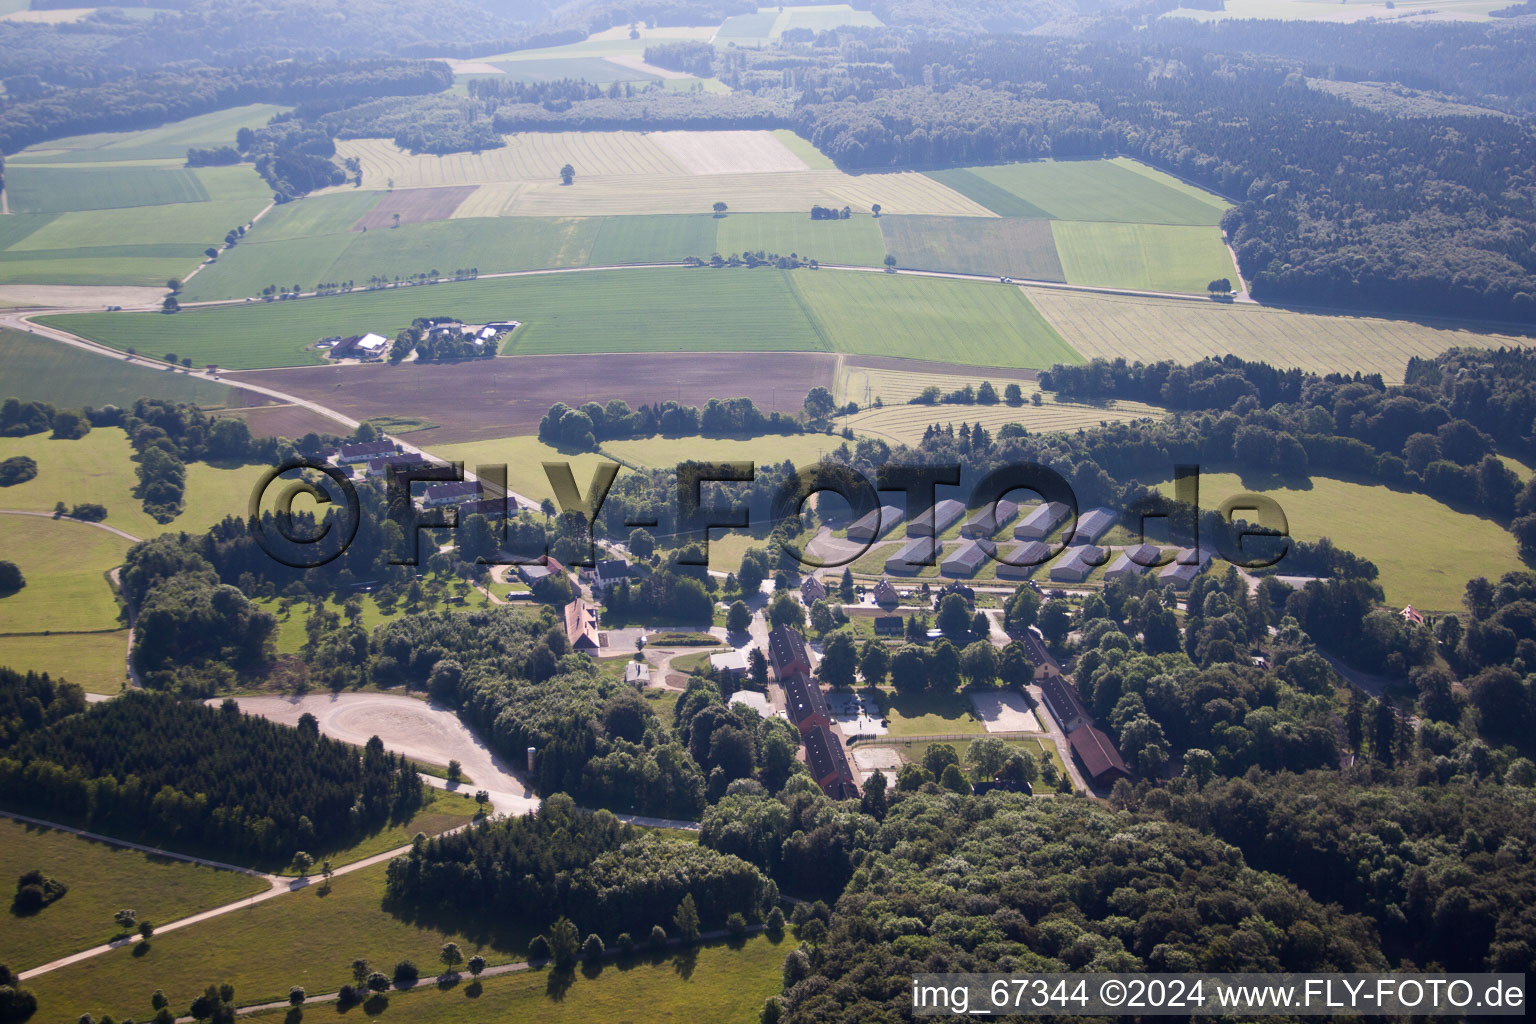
[810,316]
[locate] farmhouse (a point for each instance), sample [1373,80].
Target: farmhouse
[812,590]
[1133,561]
[828,762]
[1181,572]
[1064,704]
[1102,763]
[357,346]
[1020,561]
[609,572]
[989,520]
[937,519]
[438,495]
[806,704]
[914,554]
[581,626]
[885,595]
[1079,563]
[365,451]
[875,524]
[1040,523]
[787,653]
[405,460]
[730,663]
[1092,525]
[967,559]
[491,508]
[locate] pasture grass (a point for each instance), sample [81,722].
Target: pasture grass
[65,566]
[96,662]
[1149,257]
[37,370]
[102,879]
[661,238]
[1003,246]
[166,142]
[47,188]
[970,322]
[718,981]
[1104,190]
[300,938]
[439,812]
[524,458]
[1403,534]
[854,241]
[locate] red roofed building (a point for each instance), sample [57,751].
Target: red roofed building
[581,626]
[787,653]
[828,762]
[1102,763]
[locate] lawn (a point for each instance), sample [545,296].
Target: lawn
[854,241]
[102,879]
[65,566]
[716,982]
[99,468]
[661,238]
[1150,257]
[1148,329]
[971,322]
[93,661]
[303,938]
[928,714]
[1402,533]
[995,247]
[916,751]
[167,142]
[38,370]
[1098,190]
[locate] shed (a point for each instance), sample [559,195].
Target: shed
[937,519]
[1078,564]
[873,525]
[988,520]
[1134,561]
[914,555]
[1042,522]
[967,559]
[1093,524]
[1020,561]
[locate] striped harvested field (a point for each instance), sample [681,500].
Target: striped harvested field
[728,152]
[1135,327]
[527,156]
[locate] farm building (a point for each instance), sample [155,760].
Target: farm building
[1134,561]
[1020,561]
[491,508]
[1064,704]
[885,595]
[1042,522]
[1102,763]
[637,673]
[731,663]
[828,762]
[357,346]
[937,519]
[966,560]
[403,460]
[438,495]
[987,521]
[787,653]
[1092,525]
[581,626]
[914,554]
[365,451]
[812,590]
[876,524]
[806,704]
[889,625]
[1079,563]
[533,573]
[1181,572]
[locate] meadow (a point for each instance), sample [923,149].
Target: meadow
[1149,257]
[49,188]
[995,247]
[661,238]
[524,458]
[65,566]
[102,879]
[856,241]
[1403,534]
[167,142]
[589,69]
[99,468]
[38,370]
[1092,190]
[718,981]
[96,662]
[1146,328]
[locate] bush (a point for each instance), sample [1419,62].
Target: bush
[592,948]
[406,973]
[377,982]
[736,925]
[17,469]
[11,579]
[296,995]
[775,921]
[626,943]
[538,949]
[658,937]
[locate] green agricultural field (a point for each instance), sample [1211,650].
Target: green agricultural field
[37,370]
[50,188]
[18,226]
[1148,257]
[524,458]
[814,158]
[758,25]
[202,224]
[715,982]
[302,938]
[769,449]
[1403,534]
[313,216]
[588,69]
[167,142]
[662,238]
[975,323]
[1001,247]
[854,241]
[1094,190]
[821,17]
[93,661]
[65,565]
[100,468]
[102,879]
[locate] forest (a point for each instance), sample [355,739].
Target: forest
[145,764]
